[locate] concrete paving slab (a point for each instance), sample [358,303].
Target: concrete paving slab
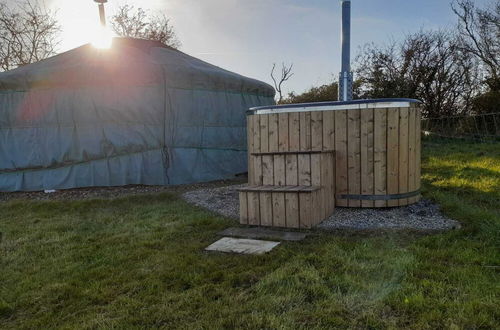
[242,245]
[259,233]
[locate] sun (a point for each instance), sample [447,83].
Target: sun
[80,24]
[102,38]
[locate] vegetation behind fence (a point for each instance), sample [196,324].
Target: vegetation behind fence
[481,128]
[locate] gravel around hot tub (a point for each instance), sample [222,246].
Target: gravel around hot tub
[422,216]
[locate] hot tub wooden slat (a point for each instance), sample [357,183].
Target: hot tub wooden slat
[278,198]
[354,155]
[266,209]
[243,208]
[380,154]
[251,171]
[392,154]
[264,134]
[418,152]
[367,155]
[253,208]
[257,160]
[411,152]
[329,144]
[403,153]
[341,155]
[292,174]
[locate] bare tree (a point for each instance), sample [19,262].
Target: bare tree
[28,33]
[136,23]
[286,73]
[427,65]
[480,35]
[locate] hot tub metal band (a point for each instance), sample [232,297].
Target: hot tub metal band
[380,197]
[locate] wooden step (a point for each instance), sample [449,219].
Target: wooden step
[307,152]
[284,189]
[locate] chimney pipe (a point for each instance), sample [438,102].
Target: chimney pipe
[102,15]
[346,76]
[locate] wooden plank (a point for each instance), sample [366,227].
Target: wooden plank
[318,214]
[392,154]
[305,210]
[264,133]
[341,171]
[307,152]
[243,208]
[257,160]
[403,154]
[273,132]
[329,144]
[267,170]
[305,131]
[317,130]
[317,198]
[291,160]
[283,132]
[266,209]
[250,129]
[284,189]
[253,208]
[329,130]
[278,198]
[294,131]
[411,152]
[332,183]
[304,169]
[380,154]
[325,184]
[292,210]
[317,144]
[418,149]
[279,211]
[354,155]
[367,155]
[266,200]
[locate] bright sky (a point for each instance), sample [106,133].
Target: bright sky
[248,36]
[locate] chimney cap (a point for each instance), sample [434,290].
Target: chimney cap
[101,1]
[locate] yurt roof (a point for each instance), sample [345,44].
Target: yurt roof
[129,62]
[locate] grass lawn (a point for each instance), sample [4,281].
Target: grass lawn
[138,262]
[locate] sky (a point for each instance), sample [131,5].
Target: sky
[248,36]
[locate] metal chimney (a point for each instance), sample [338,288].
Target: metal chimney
[345,76]
[102,15]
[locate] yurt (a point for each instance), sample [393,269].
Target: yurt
[137,113]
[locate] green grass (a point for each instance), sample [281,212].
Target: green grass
[138,262]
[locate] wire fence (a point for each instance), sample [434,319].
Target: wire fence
[479,128]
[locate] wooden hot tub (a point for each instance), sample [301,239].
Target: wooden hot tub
[374,147]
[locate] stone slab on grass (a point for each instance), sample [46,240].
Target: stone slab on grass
[259,233]
[242,245]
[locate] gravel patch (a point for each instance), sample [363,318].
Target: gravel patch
[222,200]
[422,216]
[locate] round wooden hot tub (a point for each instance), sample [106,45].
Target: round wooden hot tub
[375,145]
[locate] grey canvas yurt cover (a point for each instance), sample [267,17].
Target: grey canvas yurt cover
[138,113]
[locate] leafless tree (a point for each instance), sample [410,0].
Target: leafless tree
[136,23]
[480,35]
[427,65]
[286,73]
[28,33]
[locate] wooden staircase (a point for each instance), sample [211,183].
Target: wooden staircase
[290,189]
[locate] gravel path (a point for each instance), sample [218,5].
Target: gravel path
[423,216]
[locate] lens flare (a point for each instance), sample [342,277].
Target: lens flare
[102,38]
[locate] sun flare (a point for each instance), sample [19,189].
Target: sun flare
[102,38]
